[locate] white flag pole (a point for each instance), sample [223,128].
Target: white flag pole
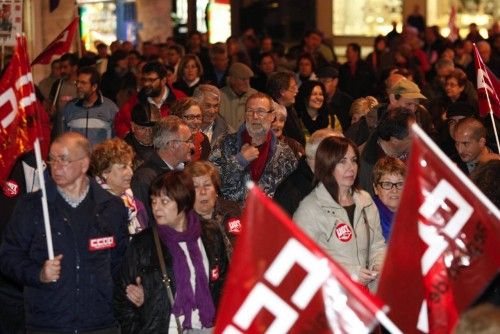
[387,323]
[494,128]
[45,207]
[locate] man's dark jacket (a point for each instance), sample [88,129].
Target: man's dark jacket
[81,300]
[295,187]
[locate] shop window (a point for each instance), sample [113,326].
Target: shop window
[365,17]
[482,12]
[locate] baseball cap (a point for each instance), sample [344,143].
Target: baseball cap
[407,89]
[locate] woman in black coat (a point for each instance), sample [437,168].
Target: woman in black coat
[195,260]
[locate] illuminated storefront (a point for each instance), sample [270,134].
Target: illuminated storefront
[212,17]
[368,18]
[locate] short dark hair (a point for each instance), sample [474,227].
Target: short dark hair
[95,77]
[355,47]
[277,83]
[156,67]
[395,124]
[265,55]
[330,152]
[178,186]
[309,57]
[70,57]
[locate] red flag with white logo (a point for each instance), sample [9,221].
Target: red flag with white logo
[443,250]
[19,121]
[280,281]
[60,45]
[488,87]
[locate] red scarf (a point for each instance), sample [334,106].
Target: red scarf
[257,166]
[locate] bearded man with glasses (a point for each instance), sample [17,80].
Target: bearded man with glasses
[156,97]
[253,153]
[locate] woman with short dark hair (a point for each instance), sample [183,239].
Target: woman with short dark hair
[182,293]
[346,222]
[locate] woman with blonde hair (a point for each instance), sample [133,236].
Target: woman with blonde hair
[362,120]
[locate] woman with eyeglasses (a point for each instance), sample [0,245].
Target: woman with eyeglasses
[346,222]
[189,74]
[388,180]
[189,110]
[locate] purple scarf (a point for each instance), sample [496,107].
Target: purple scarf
[185,299]
[386,217]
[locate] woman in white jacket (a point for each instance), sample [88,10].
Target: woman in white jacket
[341,217]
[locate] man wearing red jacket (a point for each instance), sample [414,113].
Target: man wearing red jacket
[155,97]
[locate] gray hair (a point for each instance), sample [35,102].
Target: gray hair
[76,140]
[166,130]
[204,90]
[316,138]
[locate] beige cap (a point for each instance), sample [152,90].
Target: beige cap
[407,89]
[240,71]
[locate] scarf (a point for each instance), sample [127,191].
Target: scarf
[133,207]
[386,217]
[185,299]
[257,166]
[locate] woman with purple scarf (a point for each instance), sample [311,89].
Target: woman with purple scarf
[388,176]
[195,262]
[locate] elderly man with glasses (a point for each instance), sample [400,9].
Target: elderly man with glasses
[73,291]
[253,153]
[173,144]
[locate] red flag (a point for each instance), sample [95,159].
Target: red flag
[443,249]
[452,24]
[282,282]
[19,125]
[60,45]
[488,87]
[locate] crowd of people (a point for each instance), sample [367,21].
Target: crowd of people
[150,150]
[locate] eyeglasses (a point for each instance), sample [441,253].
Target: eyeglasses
[261,113]
[63,161]
[192,117]
[150,80]
[390,185]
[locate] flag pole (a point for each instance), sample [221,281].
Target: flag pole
[387,323]
[487,98]
[494,127]
[41,178]
[45,207]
